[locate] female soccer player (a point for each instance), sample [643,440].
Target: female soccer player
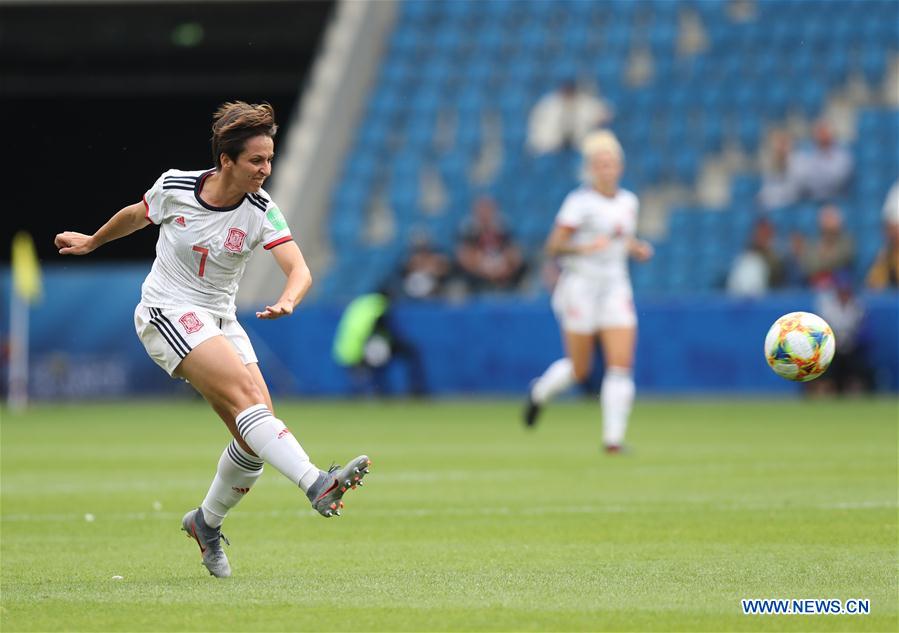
[593,238]
[209,224]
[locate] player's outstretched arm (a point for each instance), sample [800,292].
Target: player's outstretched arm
[640,250]
[299,280]
[125,222]
[559,243]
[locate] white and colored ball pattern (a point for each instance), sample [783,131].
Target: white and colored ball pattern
[799,346]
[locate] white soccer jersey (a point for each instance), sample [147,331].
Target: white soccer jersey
[203,250]
[593,215]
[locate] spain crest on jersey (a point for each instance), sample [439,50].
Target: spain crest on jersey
[234,241]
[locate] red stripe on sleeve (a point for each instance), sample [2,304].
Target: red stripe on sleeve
[272,245]
[147,214]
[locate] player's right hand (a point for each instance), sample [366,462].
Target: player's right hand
[596,245]
[72,243]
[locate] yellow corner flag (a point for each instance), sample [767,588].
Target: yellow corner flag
[26,271]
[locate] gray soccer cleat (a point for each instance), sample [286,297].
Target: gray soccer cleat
[210,542]
[531,408]
[327,492]
[531,413]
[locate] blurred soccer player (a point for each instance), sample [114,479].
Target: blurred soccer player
[593,237]
[209,224]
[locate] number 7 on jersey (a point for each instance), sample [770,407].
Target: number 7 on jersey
[204,253]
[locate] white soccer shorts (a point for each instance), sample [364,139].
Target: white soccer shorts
[583,305]
[169,334]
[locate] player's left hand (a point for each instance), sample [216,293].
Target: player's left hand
[642,251]
[280,309]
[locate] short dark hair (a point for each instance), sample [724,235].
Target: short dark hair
[235,122]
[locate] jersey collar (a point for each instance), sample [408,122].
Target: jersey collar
[199,187]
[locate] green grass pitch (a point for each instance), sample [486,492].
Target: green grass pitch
[467,521]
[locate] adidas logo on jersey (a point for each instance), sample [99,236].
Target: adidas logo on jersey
[180,220]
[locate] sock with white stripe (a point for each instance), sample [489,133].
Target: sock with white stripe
[237,472]
[616,399]
[273,442]
[557,378]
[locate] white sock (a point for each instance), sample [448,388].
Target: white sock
[557,378]
[273,442]
[237,472]
[616,399]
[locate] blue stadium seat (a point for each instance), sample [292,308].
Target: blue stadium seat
[870,185]
[739,222]
[836,66]
[749,132]
[879,30]
[468,133]
[662,38]
[711,134]
[417,12]
[617,39]
[685,165]
[782,35]
[765,65]
[805,219]
[842,32]
[873,62]
[677,131]
[777,98]
[743,97]
[397,70]
[647,169]
[405,42]
[362,167]
[679,96]
[800,61]
[814,31]
[745,187]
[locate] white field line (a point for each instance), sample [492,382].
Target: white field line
[459,512]
[22,486]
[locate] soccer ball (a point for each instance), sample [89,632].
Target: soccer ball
[799,346]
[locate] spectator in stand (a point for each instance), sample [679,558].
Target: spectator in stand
[425,271]
[487,256]
[833,252]
[760,267]
[884,272]
[368,341]
[823,171]
[850,370]
[561,119]
[780,187]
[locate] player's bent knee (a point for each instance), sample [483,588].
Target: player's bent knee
[238,394]
[248,392]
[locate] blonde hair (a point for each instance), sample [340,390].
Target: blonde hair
[596,142]
[601,141]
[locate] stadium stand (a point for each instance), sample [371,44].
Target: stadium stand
[458,79]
